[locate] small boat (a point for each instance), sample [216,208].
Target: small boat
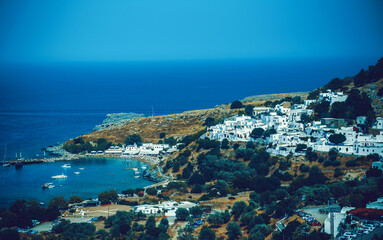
[135,169]
[47,185]
[59,176]
[77,173]
[81,168]
[143,167]
[42,204]
[136,176]
[5,156]
[66,166]
[137,172]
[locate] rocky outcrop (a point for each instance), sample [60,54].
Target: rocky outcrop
[117,119]
[371,90]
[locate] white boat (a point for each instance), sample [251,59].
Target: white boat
[47,185]
[81,168]
[136,176]
[137,172]
[59,176]
[66,166]
[77,173]
[135,169]
[143,167]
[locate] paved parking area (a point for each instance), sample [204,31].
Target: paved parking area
[316,214]
[378,231]
[48,225]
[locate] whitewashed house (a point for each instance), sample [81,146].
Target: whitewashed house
[296,114]
[308,102]
[258,110]
[379,123]
[332,97]
[237,128]
[131,150]
[282,108]
[378,164]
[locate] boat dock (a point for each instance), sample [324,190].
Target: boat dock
[41,160]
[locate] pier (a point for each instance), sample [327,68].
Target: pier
[41,160]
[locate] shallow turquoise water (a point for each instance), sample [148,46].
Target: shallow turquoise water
[99,174]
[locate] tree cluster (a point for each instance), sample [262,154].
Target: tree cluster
[78,145]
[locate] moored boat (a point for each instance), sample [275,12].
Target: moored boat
[5,156]
[59,176]
[47,185]
[66,166]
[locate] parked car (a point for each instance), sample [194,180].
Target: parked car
[377,224]
[315,223]
[301,214]
[349,234]
[200,222]
[369,226]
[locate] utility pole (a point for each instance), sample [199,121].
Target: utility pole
[332,224]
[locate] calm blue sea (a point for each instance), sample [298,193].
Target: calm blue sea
[98,175]
[46,103]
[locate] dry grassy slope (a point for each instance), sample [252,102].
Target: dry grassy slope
[176,125]
[149,128]
[261,99]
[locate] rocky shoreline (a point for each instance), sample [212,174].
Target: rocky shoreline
[116,120]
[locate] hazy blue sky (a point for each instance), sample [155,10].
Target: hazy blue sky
[125,30]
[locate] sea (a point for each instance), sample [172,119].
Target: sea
[44,104]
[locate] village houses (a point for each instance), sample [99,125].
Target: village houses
[292,129]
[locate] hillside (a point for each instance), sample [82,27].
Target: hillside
[176,125]
[272,163]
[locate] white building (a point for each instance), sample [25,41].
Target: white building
[309,102]
[258,110]
[146,149]
[296,114]
[337,218]
[236,128]
[378,164]
[114,150]
[378,204]
[169,208]
[332,97]
[379,123]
